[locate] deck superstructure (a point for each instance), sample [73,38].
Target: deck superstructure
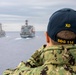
[27,30]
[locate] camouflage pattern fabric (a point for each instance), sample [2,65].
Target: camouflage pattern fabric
[54,60]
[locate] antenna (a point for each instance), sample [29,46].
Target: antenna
[26,22]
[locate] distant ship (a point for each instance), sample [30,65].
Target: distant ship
[27,30]
[2,32]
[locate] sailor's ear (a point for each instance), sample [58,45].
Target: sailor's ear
[47,37]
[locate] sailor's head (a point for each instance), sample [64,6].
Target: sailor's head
[62,26]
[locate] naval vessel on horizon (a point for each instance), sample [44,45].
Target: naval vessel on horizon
[2,32]
[27,30]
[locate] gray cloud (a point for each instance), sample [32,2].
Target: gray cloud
[36,11]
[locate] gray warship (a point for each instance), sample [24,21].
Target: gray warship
[2,32]
[27,31]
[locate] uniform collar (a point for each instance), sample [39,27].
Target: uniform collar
[60,47]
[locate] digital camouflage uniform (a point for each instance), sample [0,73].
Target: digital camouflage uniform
[54,60]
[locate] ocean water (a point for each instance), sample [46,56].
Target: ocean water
[14,49]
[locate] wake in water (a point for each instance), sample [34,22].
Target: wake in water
[18,38]
[22,38]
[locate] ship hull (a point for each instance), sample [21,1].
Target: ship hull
[27,36]
[2,33]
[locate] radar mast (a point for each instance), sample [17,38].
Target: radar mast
[26,22]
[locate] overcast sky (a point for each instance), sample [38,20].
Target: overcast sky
[13,13]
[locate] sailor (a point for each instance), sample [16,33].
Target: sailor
[58,56]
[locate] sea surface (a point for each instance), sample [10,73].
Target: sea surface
[14,49]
